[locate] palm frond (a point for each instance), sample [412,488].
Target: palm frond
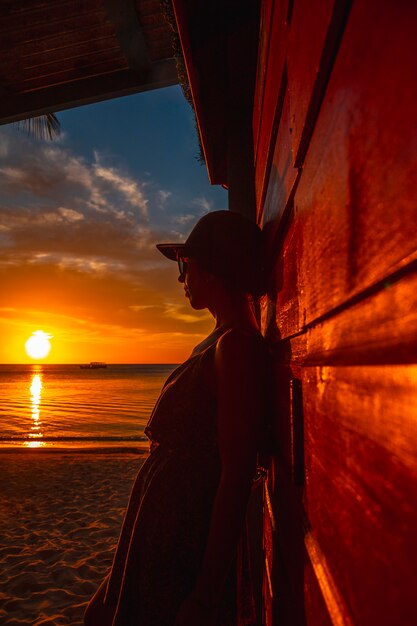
[46,127]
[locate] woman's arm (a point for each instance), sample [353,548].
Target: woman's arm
[240,375]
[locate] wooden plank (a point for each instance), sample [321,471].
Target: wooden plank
[51,42]
[268,542]
[382,417]
[283,503]
[263,47]
[280,308]
[58,24]
[288,551]
[361,485]
[152,20]
[376,326]
[379,329]
[316,30]
[124,19]
[54,72]
[355,202]
[19,60]
[214,48]
[47,14]
[163,74]
[309,26]
[20,7]
[148,7]
[72,75]
[282,175]
[315,607]
[333,598]
[10,7]
[274,91]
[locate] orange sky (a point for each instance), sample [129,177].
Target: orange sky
[79,220]
[98,317]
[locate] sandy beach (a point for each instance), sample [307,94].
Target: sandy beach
[60,517]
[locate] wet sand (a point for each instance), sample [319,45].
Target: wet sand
[60,517]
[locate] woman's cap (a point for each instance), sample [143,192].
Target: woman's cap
[225,243]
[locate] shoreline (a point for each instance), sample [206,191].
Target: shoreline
[61,511]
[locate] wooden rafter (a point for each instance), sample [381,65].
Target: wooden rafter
[87,91]
[57,54]
[124,18]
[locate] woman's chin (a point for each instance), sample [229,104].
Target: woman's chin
[197,306]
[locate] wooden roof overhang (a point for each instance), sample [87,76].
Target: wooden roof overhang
[219,41]
[57,54]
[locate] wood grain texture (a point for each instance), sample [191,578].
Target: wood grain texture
[309,25]
[332,596]
[268,587]
[361,485]
[80,92]
[58,54]
[341,315]
[288,551]
[355,203]
[39,55]
[59,12]
[315,607]
[380,329]
[280,308]
[73,74]
[273,95]
[263,48]
[71,68]
[282,175]
[56,24]
[57,46]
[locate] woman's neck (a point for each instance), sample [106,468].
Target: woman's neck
[233,311]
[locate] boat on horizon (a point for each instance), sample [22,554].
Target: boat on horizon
[94,365]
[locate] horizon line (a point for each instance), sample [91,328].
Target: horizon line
[85,363]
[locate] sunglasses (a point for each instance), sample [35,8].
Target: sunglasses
[182,265]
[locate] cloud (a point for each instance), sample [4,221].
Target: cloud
[130,189]
[67,295]
[178,312]
[33,172]
[141,307]
[54,203]
[163,196]
[184,220]
[77,246]
[70,214]
[202,205]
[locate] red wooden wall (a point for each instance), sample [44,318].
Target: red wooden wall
[335,138]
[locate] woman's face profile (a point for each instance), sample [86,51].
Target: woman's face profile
[196,284]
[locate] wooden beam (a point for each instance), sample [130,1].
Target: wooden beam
[124,18]
[181,11]
[87,91]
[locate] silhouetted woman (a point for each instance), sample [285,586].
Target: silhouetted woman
[175,563]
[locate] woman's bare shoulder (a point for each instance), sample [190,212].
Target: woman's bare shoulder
[241,336]
[241,345]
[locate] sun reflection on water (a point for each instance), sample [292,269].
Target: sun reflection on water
[35,397]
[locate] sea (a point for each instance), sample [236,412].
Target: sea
[66,407]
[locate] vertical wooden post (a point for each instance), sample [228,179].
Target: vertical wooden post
[242,57]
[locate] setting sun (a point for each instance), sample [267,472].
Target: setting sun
[38,345]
